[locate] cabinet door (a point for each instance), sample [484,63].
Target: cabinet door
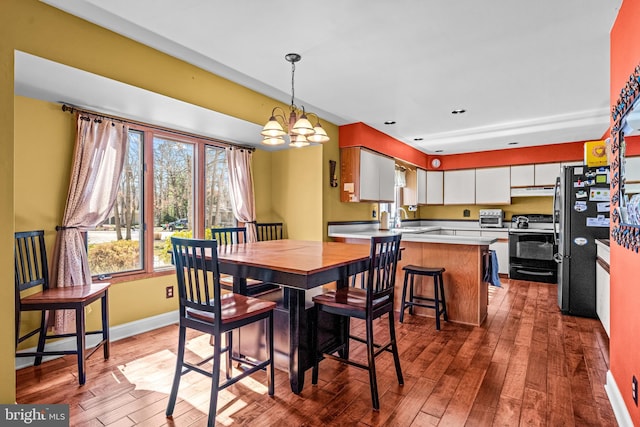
[435,188]
[460,187]
[493,186]
[502,252]
[602,296]
[369,177]
[522,176]
[546,173]
[386,179]
[421,181]
[632,169]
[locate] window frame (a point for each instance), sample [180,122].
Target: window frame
[148,184]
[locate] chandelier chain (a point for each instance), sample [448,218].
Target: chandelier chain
[293,90]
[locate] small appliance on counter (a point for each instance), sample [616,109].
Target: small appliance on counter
[521,221]
[491,218]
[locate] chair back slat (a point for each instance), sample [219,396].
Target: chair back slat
[269,231]
[229,235]
[197,274]
[30,256]
[381,276]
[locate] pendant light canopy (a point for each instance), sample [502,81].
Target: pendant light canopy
[300,130]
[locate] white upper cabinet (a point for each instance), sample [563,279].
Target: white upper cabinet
[366,176]
[369,183]
[522,176]
[415,192]
[546,173]
[460,187]
[632,169]
[422,186]
[435,187]
[493,186]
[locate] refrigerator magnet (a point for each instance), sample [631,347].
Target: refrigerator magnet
[581,194]
[580,241]
[603,206]
[580,206]
[578,184]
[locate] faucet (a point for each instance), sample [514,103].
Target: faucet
[398,219]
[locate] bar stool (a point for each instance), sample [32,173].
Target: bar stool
[439,303]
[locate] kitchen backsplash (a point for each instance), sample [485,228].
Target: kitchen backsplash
[518,206]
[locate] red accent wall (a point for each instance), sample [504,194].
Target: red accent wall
[361,135]
[625,264]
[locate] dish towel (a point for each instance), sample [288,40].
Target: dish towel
[491,275]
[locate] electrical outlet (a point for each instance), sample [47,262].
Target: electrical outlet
[169,291]
[634,390]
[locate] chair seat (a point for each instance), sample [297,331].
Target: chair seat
[66,295]
[348,299]
[235,307]
[427,271]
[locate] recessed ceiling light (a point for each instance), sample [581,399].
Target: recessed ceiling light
[513,143]
[459,111]
[438,151]
[390,122]
[418,139]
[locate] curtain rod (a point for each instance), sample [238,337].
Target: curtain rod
[72,108]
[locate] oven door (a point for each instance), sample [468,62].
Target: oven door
[531,257]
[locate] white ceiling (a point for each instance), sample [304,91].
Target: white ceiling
[532,72]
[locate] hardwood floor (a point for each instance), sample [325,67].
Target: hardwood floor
[526,365]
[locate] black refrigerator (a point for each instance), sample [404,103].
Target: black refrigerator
[581,215]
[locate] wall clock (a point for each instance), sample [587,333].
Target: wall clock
[435,163]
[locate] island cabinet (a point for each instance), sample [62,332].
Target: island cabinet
[366,176]
[493,186]
[465,291]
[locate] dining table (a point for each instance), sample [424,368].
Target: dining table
[299,267]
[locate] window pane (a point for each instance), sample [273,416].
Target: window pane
[217,208]
[173,166]
[114,246]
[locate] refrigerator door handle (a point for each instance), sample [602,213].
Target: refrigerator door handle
[557,258]
[555,219]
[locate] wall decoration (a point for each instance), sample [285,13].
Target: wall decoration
[624,234]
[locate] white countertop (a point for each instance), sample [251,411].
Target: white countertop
[416,234]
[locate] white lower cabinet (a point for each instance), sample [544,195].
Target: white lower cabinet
[603,285]
[501,247]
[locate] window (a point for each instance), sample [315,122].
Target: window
[171,185]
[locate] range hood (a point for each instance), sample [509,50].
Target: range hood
[532,191]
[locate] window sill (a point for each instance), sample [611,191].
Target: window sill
[131,277]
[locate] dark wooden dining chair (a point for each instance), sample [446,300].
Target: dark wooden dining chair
[232,236]
[370,303]
[31,270]
[204,308]
[269,231]
[229,235]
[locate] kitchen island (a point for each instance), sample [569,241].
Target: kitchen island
[462,257]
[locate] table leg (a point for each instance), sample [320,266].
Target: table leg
[239,285]
[297,319]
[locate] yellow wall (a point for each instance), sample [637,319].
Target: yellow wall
[519,206]
[35,28]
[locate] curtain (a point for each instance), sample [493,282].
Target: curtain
[99,153]
[241,188]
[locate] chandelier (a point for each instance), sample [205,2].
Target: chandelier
[300,130]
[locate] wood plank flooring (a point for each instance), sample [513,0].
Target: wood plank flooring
[526,365]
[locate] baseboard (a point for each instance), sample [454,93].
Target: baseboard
[115,333]
[617,402]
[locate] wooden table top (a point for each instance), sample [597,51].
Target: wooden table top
[294,256]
